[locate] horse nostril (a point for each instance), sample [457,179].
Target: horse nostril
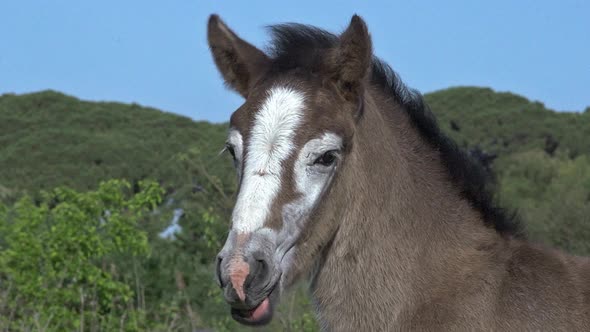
[218,272]
[255,267]
[261,269]
[262,266]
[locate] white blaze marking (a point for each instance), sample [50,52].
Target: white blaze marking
[270,143]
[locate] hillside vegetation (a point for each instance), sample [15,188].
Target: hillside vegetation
[49,139]
[113,271]
[506,123]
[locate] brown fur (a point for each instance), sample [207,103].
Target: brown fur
[410,254]
[395,244]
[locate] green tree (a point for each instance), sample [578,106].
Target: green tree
[59,258]
[552,195]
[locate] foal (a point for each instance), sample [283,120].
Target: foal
[345,178]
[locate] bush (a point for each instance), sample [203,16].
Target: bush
[59,258]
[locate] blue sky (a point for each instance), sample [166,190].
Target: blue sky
[155,52]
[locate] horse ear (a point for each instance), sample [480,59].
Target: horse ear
[239,62]
[351,60]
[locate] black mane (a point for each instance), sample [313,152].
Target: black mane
[303,46]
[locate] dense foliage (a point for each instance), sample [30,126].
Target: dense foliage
[79,250]
[59,259]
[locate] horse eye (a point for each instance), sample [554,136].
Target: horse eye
[326,159]
[230,149]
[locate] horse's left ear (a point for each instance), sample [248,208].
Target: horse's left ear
[350,61]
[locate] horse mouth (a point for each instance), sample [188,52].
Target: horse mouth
[261,314]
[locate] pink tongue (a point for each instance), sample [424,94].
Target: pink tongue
[260,311]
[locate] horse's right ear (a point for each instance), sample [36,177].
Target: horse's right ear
[239,62]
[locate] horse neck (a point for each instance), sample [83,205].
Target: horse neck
[404,227]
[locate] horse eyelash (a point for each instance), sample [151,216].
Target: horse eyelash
[227,148]
[222,151]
